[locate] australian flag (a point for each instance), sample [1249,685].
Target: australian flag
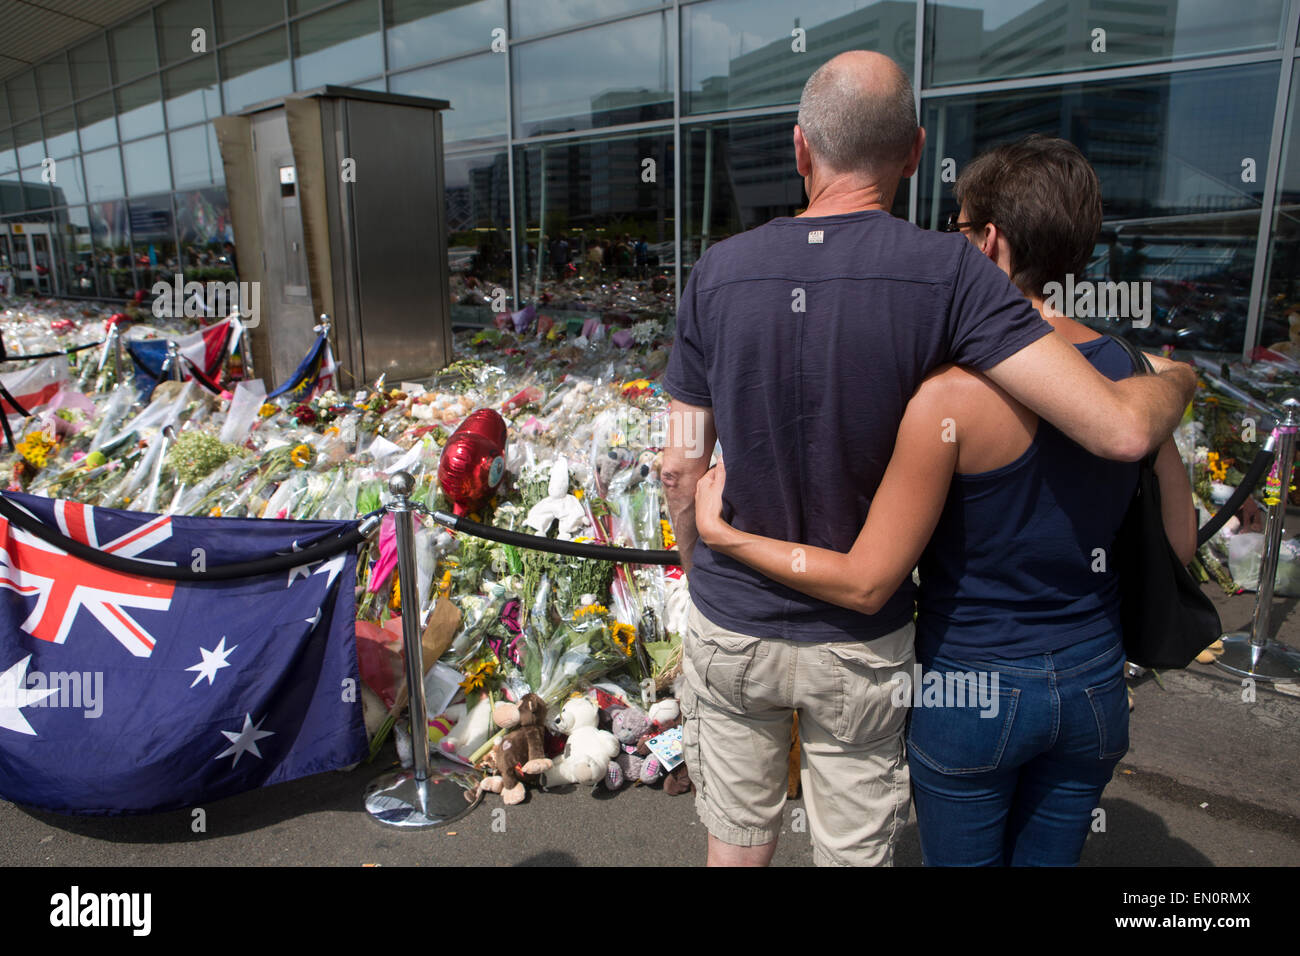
[121,693]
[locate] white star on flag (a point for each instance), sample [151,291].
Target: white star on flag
[334,565]
[314,620]
[212,662]
[14,695]
[245,741]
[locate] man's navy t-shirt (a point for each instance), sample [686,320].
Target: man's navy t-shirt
[807,337]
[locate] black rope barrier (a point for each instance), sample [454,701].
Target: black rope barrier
[317,551]
[45,355]
[1263,460]
[599,552]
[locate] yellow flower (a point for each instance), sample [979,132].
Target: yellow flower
[578,494]
[480,672]
[395,602]
[267,410]
[301,456]
[444,588]
[670,539]
[624,636]
[332,430]
[590,609]
[214,511]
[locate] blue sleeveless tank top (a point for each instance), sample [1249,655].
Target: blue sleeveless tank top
[1020,562]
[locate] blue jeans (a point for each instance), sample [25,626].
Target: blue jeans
[1013,778]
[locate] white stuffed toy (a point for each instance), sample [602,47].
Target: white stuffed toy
[587,752]
[558,505]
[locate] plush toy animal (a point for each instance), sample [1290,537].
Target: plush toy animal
[588,753]
[520,756]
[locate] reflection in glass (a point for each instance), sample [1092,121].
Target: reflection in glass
[108,230]
[478,232]
[741,53]
[78,253]
[177,21]
[139,109]
[89,67]
[147,166]
[1280,313]
[190,92]
[203,227]
[54,83]
[423,30]
[235,18]
[255,70]
[38,191]
[338,46]
[196,158]
[22,96]
[31,147]
[103,174]
[476,89]
[1168,151]
[617,73]
[541,16]
[153,240]
[134,48]
[61,133]
[95,120]
[973,40]
[598,235]
[67,178]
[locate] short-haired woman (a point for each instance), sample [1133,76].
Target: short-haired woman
[1019,710]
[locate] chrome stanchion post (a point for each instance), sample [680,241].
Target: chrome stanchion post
[423,796]
[1254,653]
[174,361]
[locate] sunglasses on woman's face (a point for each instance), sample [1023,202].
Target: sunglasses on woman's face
[952,225]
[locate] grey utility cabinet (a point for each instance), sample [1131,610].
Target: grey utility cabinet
[337,202]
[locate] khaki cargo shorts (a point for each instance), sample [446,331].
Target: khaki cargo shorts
[738,699]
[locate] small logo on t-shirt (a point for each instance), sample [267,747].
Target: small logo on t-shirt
[815,235]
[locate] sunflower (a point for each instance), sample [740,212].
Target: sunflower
[301,456]
[478,674]
[267,410]
[624,637]
[590,609]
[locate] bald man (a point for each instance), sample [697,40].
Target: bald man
[798,345]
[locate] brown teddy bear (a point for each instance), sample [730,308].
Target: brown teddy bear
[520,755]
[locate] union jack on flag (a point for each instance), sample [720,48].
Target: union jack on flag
[124,693]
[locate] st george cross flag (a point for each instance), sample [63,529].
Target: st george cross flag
[35,385]
[206,349]
[122,694]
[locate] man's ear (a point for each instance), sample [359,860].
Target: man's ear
[802,155]
[914,157]
[993,238]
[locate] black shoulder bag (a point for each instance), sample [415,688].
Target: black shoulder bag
[1167,618]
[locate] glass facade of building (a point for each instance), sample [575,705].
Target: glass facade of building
[654,129]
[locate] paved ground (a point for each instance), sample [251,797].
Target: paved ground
[1210,780]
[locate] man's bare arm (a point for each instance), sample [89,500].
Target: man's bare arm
[1121,420]
[691,437]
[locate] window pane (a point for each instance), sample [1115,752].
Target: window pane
[190,92]
[153,240]
[8,156]
[1168,151]
[61,133]
[89,67]
[538,16]
[476,89]
[79,254]
[305,6]
[1282,287]
[177,21]
[739,53]
[235,18]
[103,174]
[423,30]
[112,252]
[196,159]
[617,73]
[31,147]
[95,120]
[338,46]
[203,225]
[478,233]
[972,40]
[22,96]
[139,109]
[37,193]
[594,213]
[55,87]
[255,70]
[147,167]
[135,50]
[69,184]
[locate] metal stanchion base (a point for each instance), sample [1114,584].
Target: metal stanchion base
[399,800]
[1272,662]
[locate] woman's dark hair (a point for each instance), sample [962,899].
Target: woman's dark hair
[1044,197]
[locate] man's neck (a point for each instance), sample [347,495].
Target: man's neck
[843,195]
[1076,333]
